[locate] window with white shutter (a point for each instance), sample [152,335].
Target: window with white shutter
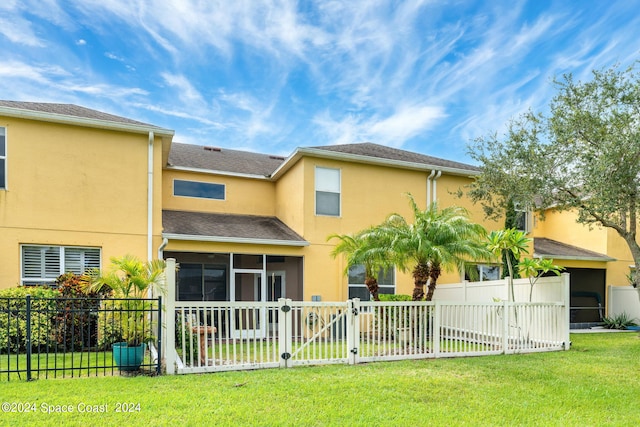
[43,264]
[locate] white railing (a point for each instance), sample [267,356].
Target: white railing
[216,336]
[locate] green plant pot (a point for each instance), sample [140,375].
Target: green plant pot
[128,358]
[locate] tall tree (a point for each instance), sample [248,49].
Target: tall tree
[584,155]
[436,239]
[366,249]
[508,257]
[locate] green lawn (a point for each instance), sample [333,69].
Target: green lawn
[595,383]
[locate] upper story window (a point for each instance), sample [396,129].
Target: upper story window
[327,191]
[43,264]
[3,158]
[523,220]
[205,190]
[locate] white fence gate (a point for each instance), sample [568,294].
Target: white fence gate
[219,336]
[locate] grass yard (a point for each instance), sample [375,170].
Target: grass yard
[595,383]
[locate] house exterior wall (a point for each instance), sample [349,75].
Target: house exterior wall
[76,186]
[563,227]
[242,195]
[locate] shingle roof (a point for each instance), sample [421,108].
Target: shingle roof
[369,149]
[548,248]
[223,159]
[70,110]
[228,226]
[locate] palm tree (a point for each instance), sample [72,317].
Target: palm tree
[435,240]
[364,248]
[508,240]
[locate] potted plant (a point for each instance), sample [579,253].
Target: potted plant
[131,281]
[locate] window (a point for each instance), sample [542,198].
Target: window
[482,272]
[327,191]
[522,219]
[3,158]
[357,288]
[43,264]
[202,282]
[205,190]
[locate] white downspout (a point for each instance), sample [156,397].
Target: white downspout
[163,245]
[150,198]
[435,194]
[433,172]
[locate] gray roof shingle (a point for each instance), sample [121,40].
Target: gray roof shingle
[369,149]
[223,159]
[70,110]
[548,248]
[228,226]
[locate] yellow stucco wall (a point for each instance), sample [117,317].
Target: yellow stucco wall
[71,185]
[563,227]
[289,198]
[242,195]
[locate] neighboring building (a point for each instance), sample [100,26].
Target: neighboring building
[595,258]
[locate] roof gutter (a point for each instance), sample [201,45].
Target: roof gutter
[315,152]
[83,121]
[575,258]
[216,172]
[242,240]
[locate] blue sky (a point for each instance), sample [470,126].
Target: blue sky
[269,76]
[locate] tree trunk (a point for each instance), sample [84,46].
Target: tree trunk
[630,238]
[372,285]
[420,278]
[434,274]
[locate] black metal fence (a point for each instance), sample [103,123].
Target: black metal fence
[72,337]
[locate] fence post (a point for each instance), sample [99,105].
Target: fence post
[505,326]
[28,341]
[169,320]
[567,309]
[353,331]
[160,340]
[284,331]
[437,319]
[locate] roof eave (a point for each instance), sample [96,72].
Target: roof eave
[241,240]
[216,172]
[21,113]
[358,158]
[575,258]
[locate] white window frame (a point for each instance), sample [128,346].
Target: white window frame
[380,286]
[526,213]
[62,261]
[3,158]
[324,188]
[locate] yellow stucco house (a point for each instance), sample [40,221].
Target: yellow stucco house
[78,186]
[595,258]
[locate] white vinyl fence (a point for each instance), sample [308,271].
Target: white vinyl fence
[624,299]
[218,336]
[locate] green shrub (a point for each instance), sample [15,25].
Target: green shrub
[13,317]
[395,297]
[75,323]
[387,318]
[619,321]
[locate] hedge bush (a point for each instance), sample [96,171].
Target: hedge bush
[13,317]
